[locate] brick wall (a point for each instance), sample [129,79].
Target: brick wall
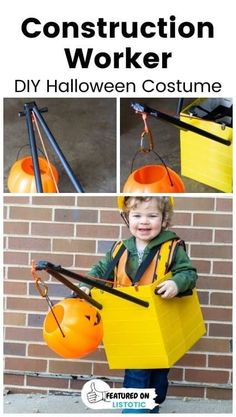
[75,231]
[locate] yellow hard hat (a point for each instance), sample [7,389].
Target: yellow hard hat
[120,202]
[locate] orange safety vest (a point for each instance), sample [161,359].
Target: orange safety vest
[154,270]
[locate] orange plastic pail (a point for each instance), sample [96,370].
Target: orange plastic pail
[21,178]
[76,331]
[154,179]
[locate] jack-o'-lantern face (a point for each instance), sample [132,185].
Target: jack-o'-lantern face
[78,331]
[90,313]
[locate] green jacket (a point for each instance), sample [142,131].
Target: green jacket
[184,274]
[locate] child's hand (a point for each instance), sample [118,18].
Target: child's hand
[74,294]
[167,289]
[85,289]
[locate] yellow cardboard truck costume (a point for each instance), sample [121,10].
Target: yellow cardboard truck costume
[156,336]
[153,337]
[202,159]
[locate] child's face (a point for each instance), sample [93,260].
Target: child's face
[145,221]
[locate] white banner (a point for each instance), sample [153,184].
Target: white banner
[97,395]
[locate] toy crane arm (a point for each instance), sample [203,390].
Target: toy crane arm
[57,270]
[144,109]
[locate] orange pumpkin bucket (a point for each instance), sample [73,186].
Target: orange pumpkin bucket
[154,179]
[21,178]
[77,329]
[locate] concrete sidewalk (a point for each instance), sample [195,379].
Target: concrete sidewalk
[72,404]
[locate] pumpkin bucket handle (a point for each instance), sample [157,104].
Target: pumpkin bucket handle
[26,146]
[162,160]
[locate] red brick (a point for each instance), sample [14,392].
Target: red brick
[194,235]
[212,345]
[224,204]
[16,200]
[220,361]
[34,365]
[16,258]
[86,261]
[194,203]
[208,375]
[76,215]
[66,260]
[214,283]
[103,246]
[210,251]
[193,360]
[5,212]
[21,273]
[110,217]
[219,394]
[16,349]
[73,245]
[97,355]
[38,381]
[30,213]
[176,374]
[13,379]
[52,201]
[30,244]
[16,228]
[96,202]
[212,220]
[35,320]
[203,297]
[223,236]
[70,367]
[221,299]
[17,319]
[15,288]
[125,233]
[39,350]
[222,267]
[220,329]
[24,334]
[27,304]
[217,314]
[203,267]
[52,229]
[182,219]
[111,232]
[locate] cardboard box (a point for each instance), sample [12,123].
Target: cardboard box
[203,159]
[157,336]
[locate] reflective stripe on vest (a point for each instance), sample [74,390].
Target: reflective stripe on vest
[155,271]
